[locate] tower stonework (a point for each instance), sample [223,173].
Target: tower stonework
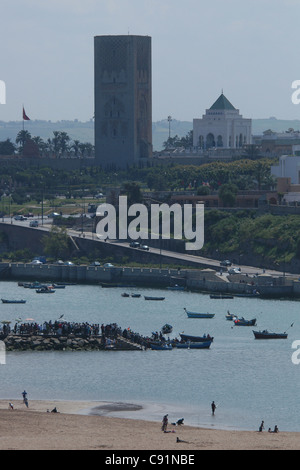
[123,100]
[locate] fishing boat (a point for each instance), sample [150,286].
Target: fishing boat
[221,296]
[153,298]
[4,301]
[196,339]
[125,294]
[167,329]
[198,315]
[231,316]
[136,296]
[192,345]
[243,322]
[161,347]
[45,290]
[265,334]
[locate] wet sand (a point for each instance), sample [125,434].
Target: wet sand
[73,428]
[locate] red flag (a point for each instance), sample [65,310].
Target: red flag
[25,117]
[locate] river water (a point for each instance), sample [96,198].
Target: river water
[250,380]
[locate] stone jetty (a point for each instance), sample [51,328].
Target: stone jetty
[15,342]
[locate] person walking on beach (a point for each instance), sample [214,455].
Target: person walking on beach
[213,408]
[164,423]
[262,426]
[25,400]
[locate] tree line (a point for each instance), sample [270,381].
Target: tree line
[59,145]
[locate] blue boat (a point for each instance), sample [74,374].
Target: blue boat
[191,345]
[161,347]
[198,315]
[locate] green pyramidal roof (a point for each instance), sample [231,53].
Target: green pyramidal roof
[222,103]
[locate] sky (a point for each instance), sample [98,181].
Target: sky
[247,48]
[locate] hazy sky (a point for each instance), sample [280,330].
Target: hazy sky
[248,48]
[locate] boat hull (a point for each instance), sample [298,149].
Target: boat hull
[192,345]
[195,339]
[267,335]
[245,322]
[198,315]
[154,298]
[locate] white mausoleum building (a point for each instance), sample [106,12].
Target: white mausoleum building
[222,126]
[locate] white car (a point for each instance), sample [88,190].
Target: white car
[108,265]
[234,271]
[36,261]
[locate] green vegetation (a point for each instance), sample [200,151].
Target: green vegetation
[276,239]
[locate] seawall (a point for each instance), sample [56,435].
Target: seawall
[206,280]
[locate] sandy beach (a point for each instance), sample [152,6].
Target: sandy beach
[34,428]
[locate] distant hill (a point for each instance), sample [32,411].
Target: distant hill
[84,131]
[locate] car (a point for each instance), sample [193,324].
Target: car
[20,217]
[33,223]
[36,261]
[53,214]
[134,244]
[68,263]
[225,262]
[98,196]
[95,263]
[144,247]
[108,265]
[234,271]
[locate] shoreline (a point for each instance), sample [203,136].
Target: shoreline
[91,425]
[78,425]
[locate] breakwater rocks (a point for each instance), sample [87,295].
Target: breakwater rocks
[15,342]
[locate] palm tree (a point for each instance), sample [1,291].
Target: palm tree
[22,138]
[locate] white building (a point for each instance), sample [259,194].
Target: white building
[222,126]
[289,167]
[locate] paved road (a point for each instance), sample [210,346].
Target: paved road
[46,224]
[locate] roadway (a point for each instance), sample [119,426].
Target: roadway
[46,224]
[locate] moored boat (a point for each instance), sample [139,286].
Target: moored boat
[265,334]
[243,322]
[161,347]
[196,339]
[167,329]
[45,290]
[221,296]
[125,294]
[192,345]
[176,287]
[136,296]
[153,298]
[198,315]
[5,301]
[231,316]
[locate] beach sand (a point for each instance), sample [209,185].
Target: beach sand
[73,429]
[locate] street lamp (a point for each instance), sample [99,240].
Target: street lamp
[169,121]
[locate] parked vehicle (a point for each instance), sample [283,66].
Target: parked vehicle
[225,263]
[144,247]
[33,223]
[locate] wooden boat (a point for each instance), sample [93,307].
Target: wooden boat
[196,339]
[198,315]
[161,347]
[154,298]
[167,329]
[191,345]
[267,335]
[231,316]
[136,296]
[45,290]
[125,294]
[4,301]
[221,296]
[243,322]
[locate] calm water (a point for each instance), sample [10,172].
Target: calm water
[249,380]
